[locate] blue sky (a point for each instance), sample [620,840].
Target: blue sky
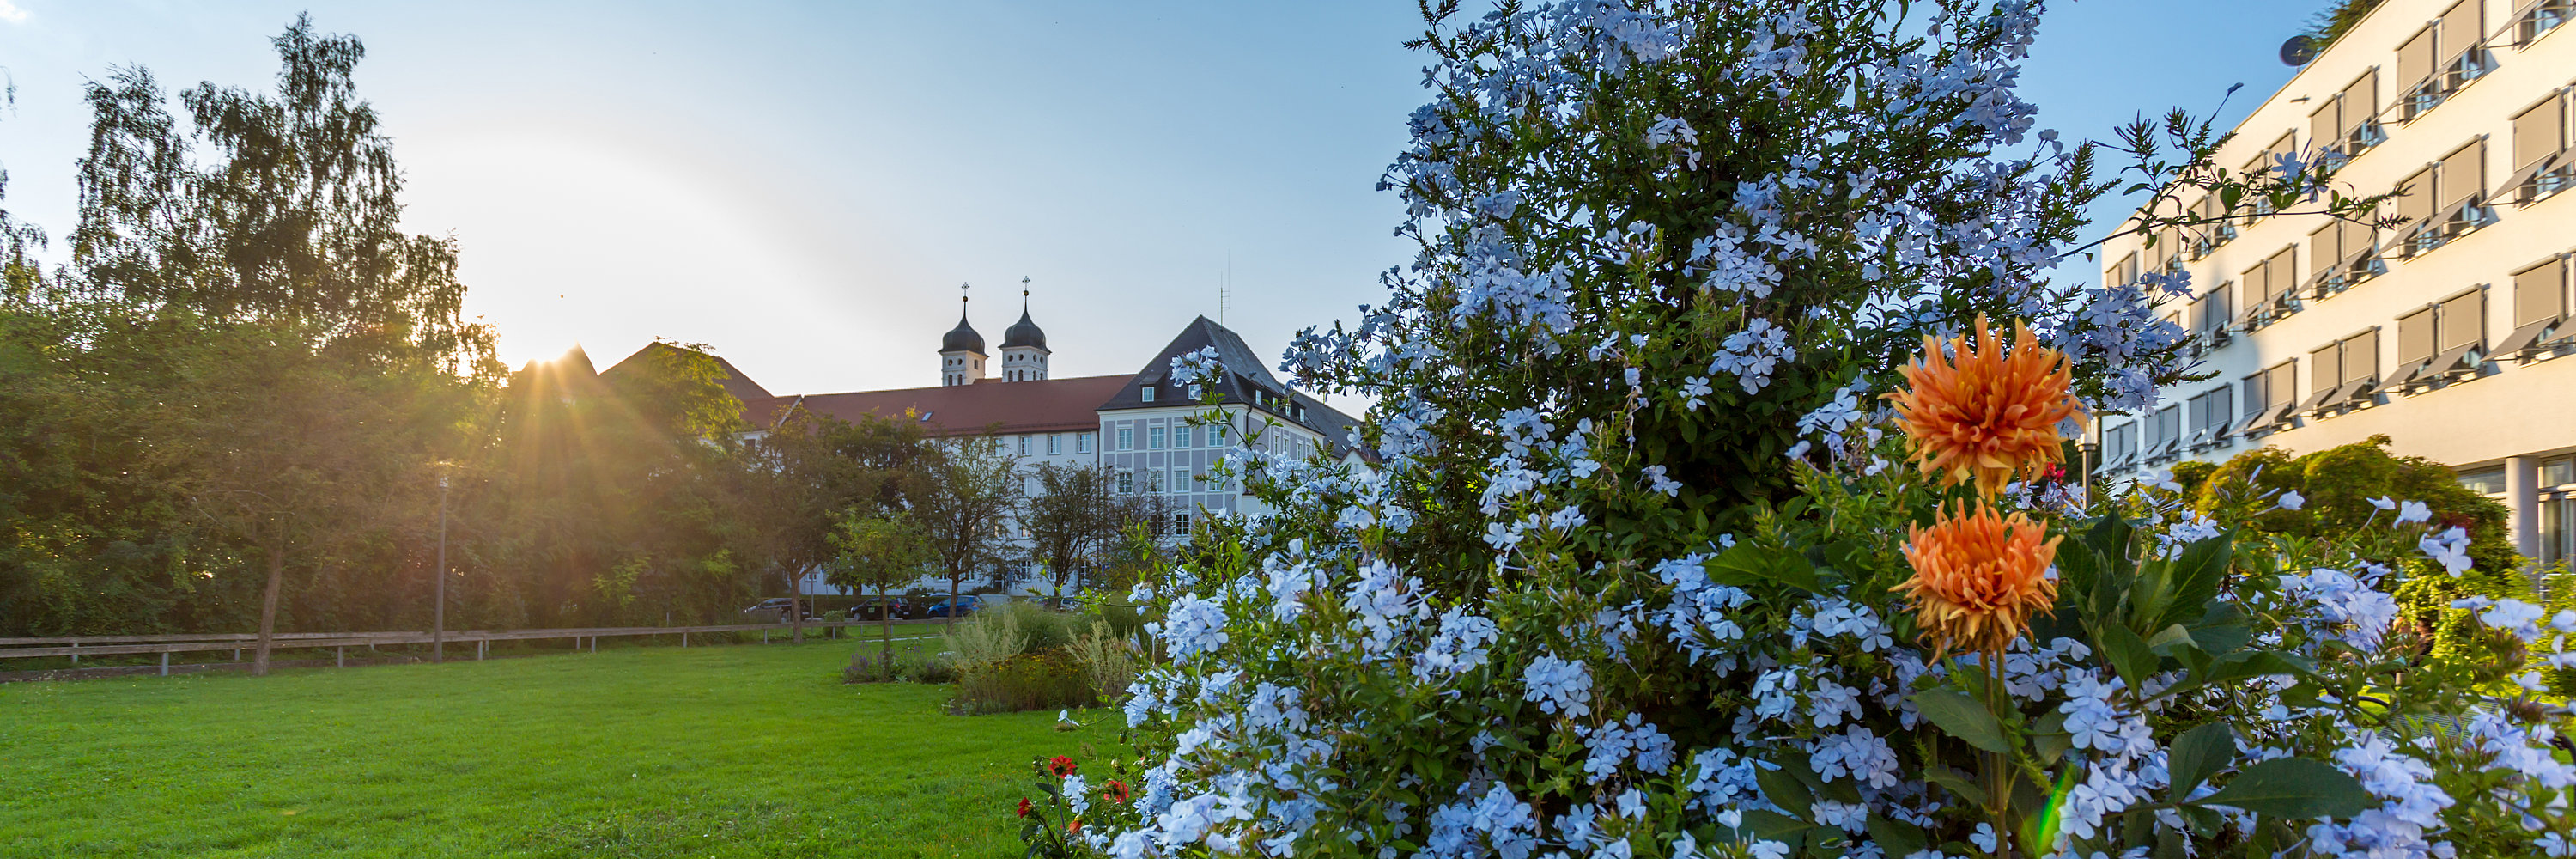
[802,186]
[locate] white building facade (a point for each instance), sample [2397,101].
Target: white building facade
[2445,334]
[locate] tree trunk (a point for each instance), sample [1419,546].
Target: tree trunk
[953,577]
[885,628]
[268,609]
[796,606]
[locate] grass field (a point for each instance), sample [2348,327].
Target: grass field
[631,752]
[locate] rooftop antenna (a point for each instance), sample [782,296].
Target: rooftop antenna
[1222,281]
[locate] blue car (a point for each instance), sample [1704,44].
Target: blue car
[966,605]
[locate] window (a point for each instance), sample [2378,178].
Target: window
[2123,273]
[1001,444]
[2484,481]
[2539,301]
[1153,438]
[2540,18]
[2414,71]
[2435,342]
[1181,480]
[1216,434]
[2341,254]
[1055,443]
[2348,122]
[2540,165]
[2280,392]
[1082,443]
[2212,413]
[1126,482]
[2210,314]
[2558,472]
[2558,529]
[2342,371]
[1154,480]
[2213,229]
[2269,292]
[1024,445]
[1126,438]
[2164,434]
[2119,445]
[1146,391]
[2440,59]
[1181,435]
[1180,524]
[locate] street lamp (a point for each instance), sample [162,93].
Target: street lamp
[438,622]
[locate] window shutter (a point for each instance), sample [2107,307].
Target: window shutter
[2416,200]
[2254,399]
[2463,175]
[2359,103]
[2221,409]
[2325,246]
[2538,293]
[2324,371]
[2220,309]
[2536,132]
[2414,62]
[2463,26]
[2325,127]
[2281,384]
[2280,272]
[2463,321]
[2361,356]
[2415,337]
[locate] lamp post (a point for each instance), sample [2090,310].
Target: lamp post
[438,615]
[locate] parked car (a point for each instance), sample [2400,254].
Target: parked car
[966,605]
[774,610]
[883,608]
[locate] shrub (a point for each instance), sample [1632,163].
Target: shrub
[985,639]
[1028,681]
[1107,660]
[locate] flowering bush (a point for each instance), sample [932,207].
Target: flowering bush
[1638,568]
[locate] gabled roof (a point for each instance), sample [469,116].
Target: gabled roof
[1245,381]
[735,382]
[1048,405]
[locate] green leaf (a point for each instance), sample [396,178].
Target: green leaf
[1784,790]
[1759,565]
[2201,752]
[1772,825]
[1958,783]
[2128,654]
[1961,716]
[1897,837]
[2293,789]
[2178,590]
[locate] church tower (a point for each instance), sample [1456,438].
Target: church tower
[961,352]
[1024,349]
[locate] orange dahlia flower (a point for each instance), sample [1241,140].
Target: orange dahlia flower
[1984,415]
[1978,577]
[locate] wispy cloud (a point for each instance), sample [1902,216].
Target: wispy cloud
[11,13]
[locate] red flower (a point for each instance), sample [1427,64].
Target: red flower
[1116,792]
[1061,766]
[1073,828]
[1024,806]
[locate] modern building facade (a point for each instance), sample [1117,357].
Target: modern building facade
[1147,427]
[2447,333]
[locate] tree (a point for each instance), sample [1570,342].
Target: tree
[965,509]
[880,550]
[1074,519]
[803,472]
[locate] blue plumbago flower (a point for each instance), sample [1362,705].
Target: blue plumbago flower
[1656,481]
[2413,511]
[1558,686]
[2449,548]
[2291,500]
[2344,608]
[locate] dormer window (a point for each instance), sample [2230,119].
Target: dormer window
[1147,392]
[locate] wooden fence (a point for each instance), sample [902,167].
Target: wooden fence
[340,642]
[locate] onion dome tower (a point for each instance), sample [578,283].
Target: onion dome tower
[961,351]
[1024,349]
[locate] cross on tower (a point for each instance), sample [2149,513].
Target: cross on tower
[961,291]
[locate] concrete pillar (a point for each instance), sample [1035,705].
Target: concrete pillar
[2522,497]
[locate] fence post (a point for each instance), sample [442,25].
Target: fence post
[75,654]
[684,639]
[340,657]
[478,650]
[594,644]
[236,654]
[165,663]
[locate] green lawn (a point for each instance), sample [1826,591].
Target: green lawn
[705,752]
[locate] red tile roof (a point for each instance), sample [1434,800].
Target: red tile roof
[1009,407]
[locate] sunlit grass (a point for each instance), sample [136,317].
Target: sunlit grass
[709,751]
